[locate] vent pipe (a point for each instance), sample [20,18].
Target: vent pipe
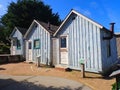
[111,32]
[49,26]
[112,27]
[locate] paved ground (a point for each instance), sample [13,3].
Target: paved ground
[39,83]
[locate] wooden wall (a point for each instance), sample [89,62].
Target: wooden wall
[44,37]
[118,46]
[83,42]
[55,51]
[107,61]
[19,37]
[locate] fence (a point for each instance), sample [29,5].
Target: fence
[6,58]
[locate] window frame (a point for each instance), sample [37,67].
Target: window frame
[34,44]
[29,45]
[61,43]
[18,44]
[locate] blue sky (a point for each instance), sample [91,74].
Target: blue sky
[101,11]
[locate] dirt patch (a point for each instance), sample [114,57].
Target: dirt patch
[95,81]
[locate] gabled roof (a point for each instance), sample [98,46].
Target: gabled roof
[79,14]
[52,29]
[22,31]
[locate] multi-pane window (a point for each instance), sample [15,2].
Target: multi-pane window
[18,44]
[63,42]
[36,44]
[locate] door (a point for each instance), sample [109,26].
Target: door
[13,47]
[64,57]
[30,50]
[63,50]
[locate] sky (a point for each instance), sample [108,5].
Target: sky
[101,11]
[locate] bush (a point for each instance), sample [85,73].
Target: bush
[4,49]
[114,86]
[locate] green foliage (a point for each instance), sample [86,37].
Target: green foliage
[24,12]
[114,86]
[21,14]
[4,49]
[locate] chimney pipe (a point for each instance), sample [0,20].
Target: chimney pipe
[112,32]
[112,27]
[49,26]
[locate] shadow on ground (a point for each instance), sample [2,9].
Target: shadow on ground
[10,84]
[101,77]
[2,68]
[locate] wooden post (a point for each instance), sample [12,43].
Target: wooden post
[38,61]
[116,74]
[82,70]
[117,82]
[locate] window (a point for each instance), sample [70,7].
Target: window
[108,49]
[18,44]
[63,42]
[13,42]
[30,45]
[36,44]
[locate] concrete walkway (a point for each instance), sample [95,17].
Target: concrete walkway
[39,83]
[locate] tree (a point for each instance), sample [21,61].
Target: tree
[23,12]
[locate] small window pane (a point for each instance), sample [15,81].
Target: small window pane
[13,43]
[30,45]
[36,44]
[63,42]
[18,44]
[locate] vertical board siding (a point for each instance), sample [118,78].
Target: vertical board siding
[55,51]
[108,61]
[19,36]
[26,48]
[99,56]
[83,42]
[44,37]
[118,45]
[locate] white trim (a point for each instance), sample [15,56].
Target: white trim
[75,12]
[64,36]
[14,30]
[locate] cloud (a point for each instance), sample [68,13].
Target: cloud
[1,6]
[2,10]
[86,12]
[114,17]
[83,11]
[112,14]
[94,5]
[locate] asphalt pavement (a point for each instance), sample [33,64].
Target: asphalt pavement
[39,83]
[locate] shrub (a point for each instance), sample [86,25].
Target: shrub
[114,86]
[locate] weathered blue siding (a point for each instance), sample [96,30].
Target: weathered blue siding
[108,61]
[17,34]
[83,42]
[39,33]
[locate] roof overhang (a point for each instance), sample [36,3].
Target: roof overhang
[15,28]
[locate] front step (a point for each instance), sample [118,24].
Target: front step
[61,67]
